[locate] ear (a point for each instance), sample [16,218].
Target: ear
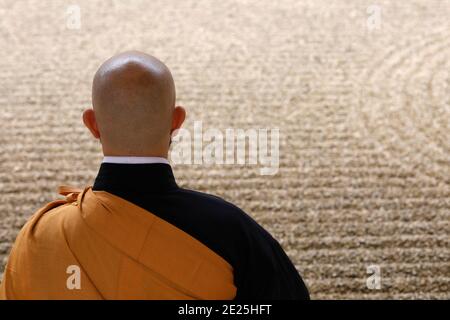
[179,114]
[90,122]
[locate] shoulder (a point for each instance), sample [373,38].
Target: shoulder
[229,214]
[42,229]
[213,203]
[43,220]
[211,199]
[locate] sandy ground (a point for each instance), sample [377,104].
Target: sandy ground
[362,105]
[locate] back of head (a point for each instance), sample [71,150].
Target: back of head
[133,96]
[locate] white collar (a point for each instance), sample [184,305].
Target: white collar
[134,160]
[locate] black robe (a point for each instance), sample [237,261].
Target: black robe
[262,270]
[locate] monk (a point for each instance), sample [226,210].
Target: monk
[135,234]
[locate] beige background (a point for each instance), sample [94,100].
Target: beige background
[363,114]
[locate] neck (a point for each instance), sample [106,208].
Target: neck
[157,152]
[140,177]
[134,159]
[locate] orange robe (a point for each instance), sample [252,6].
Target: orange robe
[95,245]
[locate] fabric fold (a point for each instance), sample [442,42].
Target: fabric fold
[121,251]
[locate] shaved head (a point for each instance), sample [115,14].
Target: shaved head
[133,97]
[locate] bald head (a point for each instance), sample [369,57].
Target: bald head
[133,96]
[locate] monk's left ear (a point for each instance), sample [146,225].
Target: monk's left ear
[179,114]
[91,123]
